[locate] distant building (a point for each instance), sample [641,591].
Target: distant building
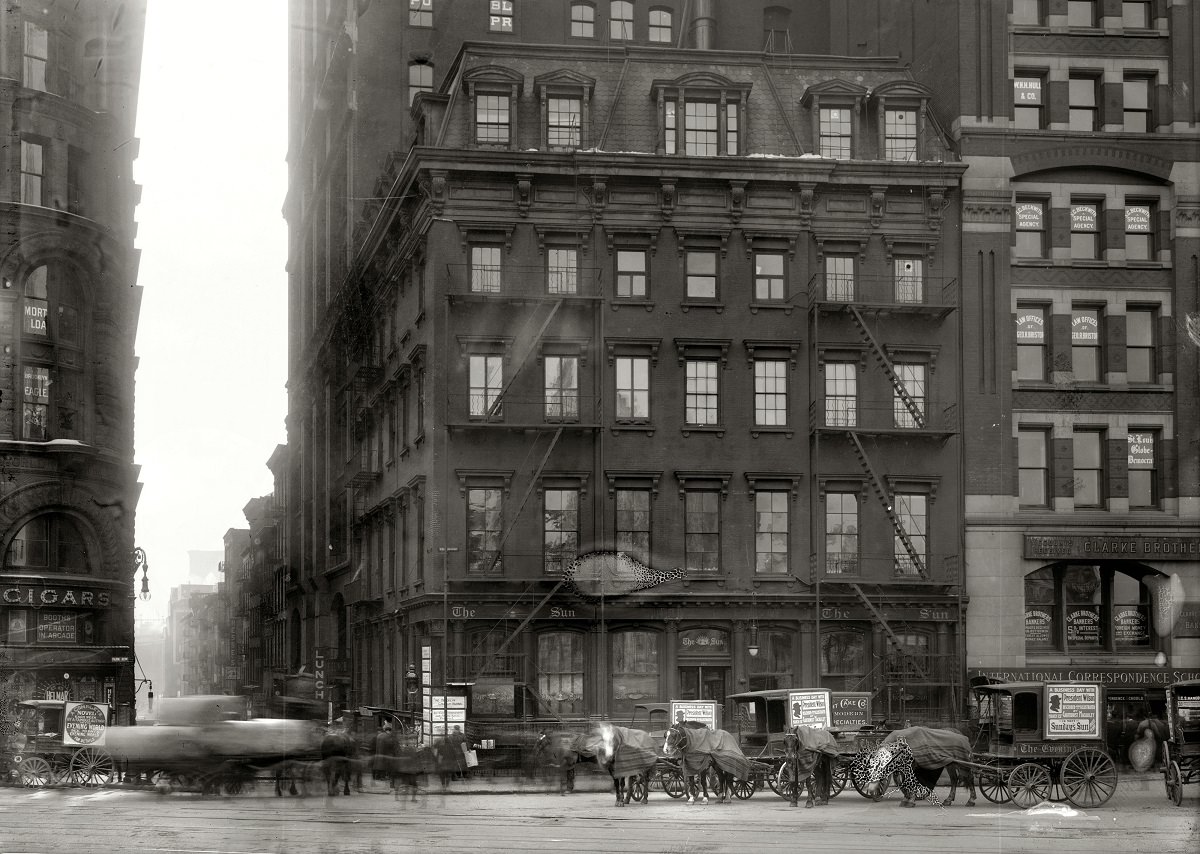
[69,305]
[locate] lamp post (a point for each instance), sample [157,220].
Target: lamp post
[140,561]
[445,550]
[411,685]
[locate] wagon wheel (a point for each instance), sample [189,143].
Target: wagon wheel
[672,782]
[785,781]
[1028,785]
[839,776]
[1088,777]
[1166,769]
[36,771]
[713,780]
[773,777]
[990,780]
[1174,783]
[640,789]
[743,789]
[858,779]
[91,766]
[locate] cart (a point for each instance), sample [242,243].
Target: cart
[1040,741]
[762,722]
[1181,750]
[58,742]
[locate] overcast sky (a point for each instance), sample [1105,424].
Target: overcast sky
[211,343]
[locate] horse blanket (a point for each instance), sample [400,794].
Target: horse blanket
[718,747]
[932,748]
[634,751]
[817,740]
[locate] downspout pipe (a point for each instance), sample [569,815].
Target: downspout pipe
[704,29]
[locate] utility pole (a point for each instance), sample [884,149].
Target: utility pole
[445,550]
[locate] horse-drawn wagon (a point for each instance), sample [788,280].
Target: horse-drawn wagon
[1181,750]
[206,743]
[1041,741]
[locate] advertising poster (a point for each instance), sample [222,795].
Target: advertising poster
[850,710]
[85,724]
[809,708]
[1073,711]
[699,711]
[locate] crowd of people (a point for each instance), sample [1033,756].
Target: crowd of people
[399,760]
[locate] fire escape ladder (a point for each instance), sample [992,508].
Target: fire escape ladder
[517,631]
[531,347]
[882,494]
[885,365]
[879,618]
[534,480]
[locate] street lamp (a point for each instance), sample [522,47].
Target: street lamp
[140,561]
[411,684]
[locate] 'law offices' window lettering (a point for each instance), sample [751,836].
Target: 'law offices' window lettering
[36,313]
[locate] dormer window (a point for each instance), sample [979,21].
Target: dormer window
[701,115]
[835,106]
[900,117]
[493,91]
[564,99]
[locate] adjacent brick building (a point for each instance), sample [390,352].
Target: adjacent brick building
[69,76]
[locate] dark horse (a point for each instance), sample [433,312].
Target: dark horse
[808,762]
[627,755]
[338,749]
[560,751]
[700,749]
[918,755]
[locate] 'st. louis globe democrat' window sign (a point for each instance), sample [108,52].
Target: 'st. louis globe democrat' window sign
[85,724]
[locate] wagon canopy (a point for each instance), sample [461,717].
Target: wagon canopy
[932,748]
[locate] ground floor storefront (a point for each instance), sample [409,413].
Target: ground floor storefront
[572,660]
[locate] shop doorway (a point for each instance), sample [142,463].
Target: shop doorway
[704,682]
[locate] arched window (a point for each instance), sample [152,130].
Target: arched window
[48,543]
[772,668]
[777,36]
[844,656]
[560,674]
[1082,607]
[583,20]
[51,359]
[620,20]
[634,669]
[660,25]
[420,79]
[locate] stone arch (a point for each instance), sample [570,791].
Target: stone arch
[99,530]
[1092,155]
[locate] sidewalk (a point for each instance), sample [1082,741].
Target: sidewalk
[498,784]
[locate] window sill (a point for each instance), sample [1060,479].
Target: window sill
[719,307]
[633,427]
[785,307]
[717,431]
[786,432]
[619,302]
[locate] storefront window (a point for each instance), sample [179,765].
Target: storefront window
[1080,607]
[772,668]
[634,670]
[560,673]
[844,655]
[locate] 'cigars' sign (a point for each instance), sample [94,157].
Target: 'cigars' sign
[25,595]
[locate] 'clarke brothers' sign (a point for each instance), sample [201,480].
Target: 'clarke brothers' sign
[1038,547]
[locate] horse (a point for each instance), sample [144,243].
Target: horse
[918,755]
[700,749]
[808,756]
[627,755]
[338,750]
[559,751]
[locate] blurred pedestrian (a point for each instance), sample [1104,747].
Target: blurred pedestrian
[385,751]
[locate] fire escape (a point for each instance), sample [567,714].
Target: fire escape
[854,317]
[541,421]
